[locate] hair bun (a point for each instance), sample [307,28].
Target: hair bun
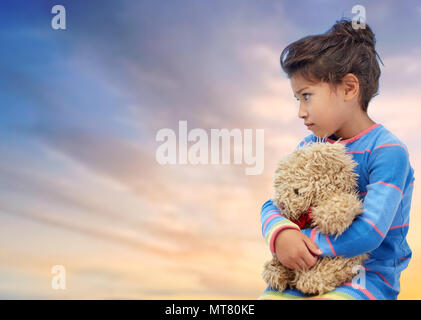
[345,28]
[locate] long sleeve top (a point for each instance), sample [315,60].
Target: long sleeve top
[385,182]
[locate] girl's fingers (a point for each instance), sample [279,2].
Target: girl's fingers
[304,264]
[299,265]
[310,260]
[312,246]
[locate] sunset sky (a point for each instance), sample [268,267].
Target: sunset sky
[80,109]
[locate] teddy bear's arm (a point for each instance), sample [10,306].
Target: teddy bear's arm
[335,214]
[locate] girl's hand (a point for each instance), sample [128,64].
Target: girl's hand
[295,250]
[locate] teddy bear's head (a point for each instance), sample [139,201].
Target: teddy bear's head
[312,174]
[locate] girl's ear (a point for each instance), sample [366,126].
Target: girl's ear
[351,86]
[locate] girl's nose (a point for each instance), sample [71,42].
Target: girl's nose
[302,113]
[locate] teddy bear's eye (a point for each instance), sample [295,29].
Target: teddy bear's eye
[296,191]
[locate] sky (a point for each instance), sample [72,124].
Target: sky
[80,108]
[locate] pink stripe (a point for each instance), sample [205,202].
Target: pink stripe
[357,136]
[387,184]
[374,226]
[267,215]
[400,226]
[384,279]
[273,210]
[358,151]
[390,185]
[271,217]
[390,145]
[411,184]
[330,245]
[313,234]
[362,289]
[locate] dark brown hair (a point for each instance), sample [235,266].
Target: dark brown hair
[328,57]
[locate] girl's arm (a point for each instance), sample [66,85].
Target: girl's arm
[273,222]
[272,219]
[388,169]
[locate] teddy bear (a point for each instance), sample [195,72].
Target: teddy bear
[315,186]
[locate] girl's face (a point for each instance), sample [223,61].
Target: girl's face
[320,106]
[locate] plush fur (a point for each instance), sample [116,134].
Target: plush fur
[319,175]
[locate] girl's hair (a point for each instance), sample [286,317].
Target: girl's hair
[328,57]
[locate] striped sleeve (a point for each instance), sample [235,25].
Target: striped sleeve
[273,221]
[388,170]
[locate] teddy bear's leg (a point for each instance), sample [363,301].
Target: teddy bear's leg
[277,275]
[327,274]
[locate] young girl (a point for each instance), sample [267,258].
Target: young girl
[334,76]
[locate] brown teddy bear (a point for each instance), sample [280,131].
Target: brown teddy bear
[316,187]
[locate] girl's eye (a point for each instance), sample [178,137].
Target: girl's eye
[306,94]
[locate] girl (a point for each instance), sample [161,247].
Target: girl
[334,76]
